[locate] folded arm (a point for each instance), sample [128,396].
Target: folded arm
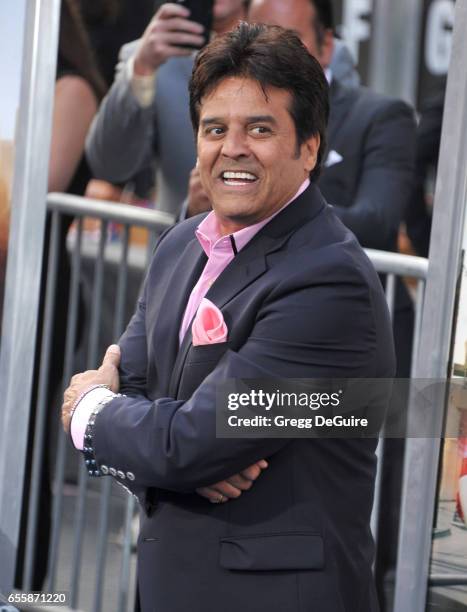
[172,444]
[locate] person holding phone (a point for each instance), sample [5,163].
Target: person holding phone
[145,115]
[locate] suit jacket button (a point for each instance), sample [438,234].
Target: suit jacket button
[121,474]
[112,471]
[104,469]
[130,475]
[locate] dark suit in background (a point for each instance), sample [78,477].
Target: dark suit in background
[299,540]
[371,186]
[370,189]
[419,213]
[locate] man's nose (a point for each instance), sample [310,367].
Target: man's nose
[235,145]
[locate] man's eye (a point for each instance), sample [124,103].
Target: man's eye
[215,131]
[260,130]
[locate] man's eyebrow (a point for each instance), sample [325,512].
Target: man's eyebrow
[211,120]
[252,119]
[262,119]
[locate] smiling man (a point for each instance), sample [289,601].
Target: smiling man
[249,160]
[269,284]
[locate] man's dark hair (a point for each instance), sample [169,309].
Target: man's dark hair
[324,19]
[274,57]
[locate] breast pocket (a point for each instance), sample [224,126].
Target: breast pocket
[200,362]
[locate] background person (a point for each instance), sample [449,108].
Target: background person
[419,212]
[144,118]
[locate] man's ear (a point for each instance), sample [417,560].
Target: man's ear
[311,148]
[327,49]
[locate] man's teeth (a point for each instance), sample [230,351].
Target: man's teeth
[239,176]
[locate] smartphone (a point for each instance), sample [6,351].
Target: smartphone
[201,11]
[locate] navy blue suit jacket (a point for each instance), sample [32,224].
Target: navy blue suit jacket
[300,300]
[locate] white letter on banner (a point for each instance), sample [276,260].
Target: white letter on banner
[356,27]
[438,38]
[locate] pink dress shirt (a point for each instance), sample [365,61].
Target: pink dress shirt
[220,251]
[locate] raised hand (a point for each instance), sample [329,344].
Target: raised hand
[168,29]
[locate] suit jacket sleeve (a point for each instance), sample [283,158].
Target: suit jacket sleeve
[301,331]
[120,139]
[385,183]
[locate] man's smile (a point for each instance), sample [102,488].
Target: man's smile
[238,178]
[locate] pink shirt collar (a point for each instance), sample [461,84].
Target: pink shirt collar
[209,237]
[220,250]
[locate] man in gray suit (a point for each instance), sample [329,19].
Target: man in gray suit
[145,114]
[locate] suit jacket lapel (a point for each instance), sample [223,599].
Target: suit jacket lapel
[251,262]
[185,275]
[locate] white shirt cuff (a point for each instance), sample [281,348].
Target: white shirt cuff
[143,87]
[83,411]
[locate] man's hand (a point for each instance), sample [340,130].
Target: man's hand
[167,30]
[107,374]
[233,487]
[198,201]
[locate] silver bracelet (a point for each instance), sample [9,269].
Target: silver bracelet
[88,448]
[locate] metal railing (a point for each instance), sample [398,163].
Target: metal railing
[395,265]
[128,217]
[127,261]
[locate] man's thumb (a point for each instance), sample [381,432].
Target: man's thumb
[112,356]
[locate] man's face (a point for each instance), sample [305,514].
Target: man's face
[297,15]
[227,9]
[248,158]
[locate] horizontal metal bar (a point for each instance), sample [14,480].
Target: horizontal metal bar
[447,579]
[396,263]
[385,262]
[109,211]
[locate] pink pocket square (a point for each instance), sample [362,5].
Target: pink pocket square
[208,325]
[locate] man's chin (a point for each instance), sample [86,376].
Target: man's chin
[232,208]
[236,218]
[242,198]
